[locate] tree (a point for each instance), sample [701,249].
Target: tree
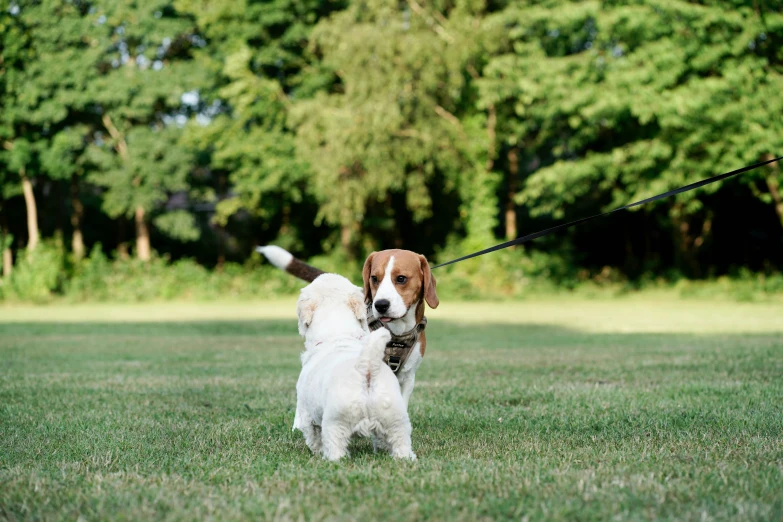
[12,52]
[343,126]
[15,133]
[259,60]
[64,159]
[19,158]
[7,190]
[624,101]
[399,115]
[54,96]
[146,71]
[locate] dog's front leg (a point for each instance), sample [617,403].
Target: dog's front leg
[406,388]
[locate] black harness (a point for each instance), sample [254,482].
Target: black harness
[400,346]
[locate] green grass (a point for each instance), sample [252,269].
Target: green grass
[572,410]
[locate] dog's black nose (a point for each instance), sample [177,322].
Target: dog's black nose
[382,305]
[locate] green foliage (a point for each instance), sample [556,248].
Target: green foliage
[392,121]
[335,128]
[743,287]
[142,97]
[178,224]
[518,273]
[507,275]
[90,277]
[155,168]
[98,278]
[64,155]
[636,99]
[258,60]
[6,240]
[37,275]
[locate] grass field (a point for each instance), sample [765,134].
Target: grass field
[572,410]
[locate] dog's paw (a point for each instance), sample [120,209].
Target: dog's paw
[381,335]
[404,455]
[335,456]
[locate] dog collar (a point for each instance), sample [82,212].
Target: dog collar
[400,346]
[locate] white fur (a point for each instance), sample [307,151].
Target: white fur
[344,388]
[407,374]
[276,255]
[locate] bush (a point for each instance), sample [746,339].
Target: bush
[38,274]
[99,279]
[89,277]
[744,286]
[513,273]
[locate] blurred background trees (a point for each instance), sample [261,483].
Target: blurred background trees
[199,129]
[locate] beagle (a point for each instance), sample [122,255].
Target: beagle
[397,284]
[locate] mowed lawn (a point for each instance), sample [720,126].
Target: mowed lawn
[630,409]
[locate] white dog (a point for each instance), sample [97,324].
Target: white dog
[345,388]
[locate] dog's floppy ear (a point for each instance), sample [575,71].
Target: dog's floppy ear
[366,278]
[358,307]
[305,308]
[430,295]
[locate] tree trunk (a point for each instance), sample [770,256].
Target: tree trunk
[492,121]
[774,189]
[511,210]
[679,235]
[142,236]
[220,229]
[122,245]
[8,260]
[32,211]
[142,230]
[774,186]
[690,244]
[77,241]
[684,246]
[221,258]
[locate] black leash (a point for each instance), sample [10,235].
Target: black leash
[535,235]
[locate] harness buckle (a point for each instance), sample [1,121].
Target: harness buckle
[394,363]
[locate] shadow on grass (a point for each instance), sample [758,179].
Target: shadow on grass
[443,328]
[451,346]
[220,328]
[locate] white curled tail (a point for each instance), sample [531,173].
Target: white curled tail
[279,257]
[371,356]
[284,260]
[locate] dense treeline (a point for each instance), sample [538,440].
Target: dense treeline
[201,129]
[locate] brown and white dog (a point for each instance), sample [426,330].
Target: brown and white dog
[397,284]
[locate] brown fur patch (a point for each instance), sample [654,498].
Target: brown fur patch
[302,270]
[418,287]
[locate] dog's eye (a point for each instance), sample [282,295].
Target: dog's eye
[374,280]
[401,279]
